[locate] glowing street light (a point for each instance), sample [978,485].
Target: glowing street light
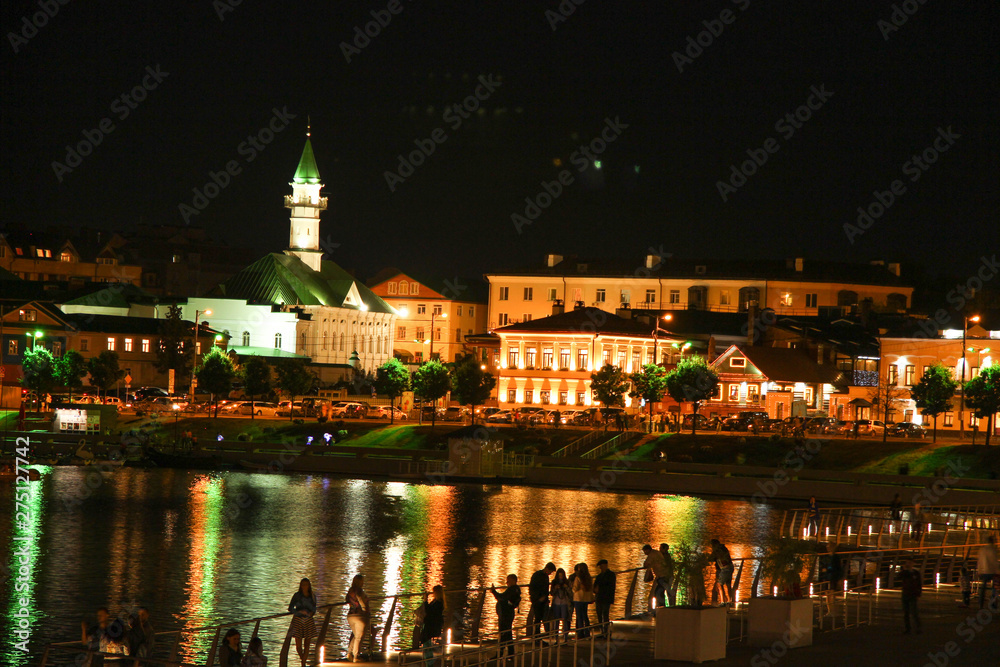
[34,337]
[194,362]
[961,387]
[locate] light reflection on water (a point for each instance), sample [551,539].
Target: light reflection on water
[202,548]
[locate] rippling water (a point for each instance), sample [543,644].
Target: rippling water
[199,548]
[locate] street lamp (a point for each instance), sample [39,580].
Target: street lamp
[665,318]
[34,336]
[961,387]
[194,363]
[433,315]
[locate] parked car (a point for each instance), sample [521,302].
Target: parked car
[149,393]
[569,416]
[429,411]
[486,412]
[348,410]
[262,409]
[907,430]
[232,407]
[385,412]
[455,414]
[865,427]
[501,417]
[702,421]
[167,403]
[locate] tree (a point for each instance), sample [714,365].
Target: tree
[934,392]
[609,385]
[70,370]
[982,394]
[256,376]
[104,370]
[884,396]
[692,381]
[294,379]
[173,352]
[215,375]
[430,383]
[38,368]
[471,384]
[392,379]
[649,384]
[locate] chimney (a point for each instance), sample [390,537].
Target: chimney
[552,260]
[653,261]
[710,354]
[798,264]
[819,354]
[894,268]
[557,307]
[579,305]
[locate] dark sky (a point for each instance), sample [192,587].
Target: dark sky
[657,184]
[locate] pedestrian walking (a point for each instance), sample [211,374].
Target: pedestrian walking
[656,571]
[723,573]
[433,622]
[231,654]
[358,616]
[562,601]
[254,656]
[670,580]
[583,595]
[813,517]
[538,597]
[912,588]
[917,522]
[987,568]
[507,604]
[604,593]
[303,608]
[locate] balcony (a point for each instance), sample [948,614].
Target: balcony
[310,202]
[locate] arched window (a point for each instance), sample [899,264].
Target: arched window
[277,341]
[246,339]
[324,340]
[341,342]
[403,287]
[304,339]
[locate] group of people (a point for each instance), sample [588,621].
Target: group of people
[130,635]
[659,568]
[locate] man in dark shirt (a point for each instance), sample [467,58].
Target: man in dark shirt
[723,572]
[911,586]
[538,594]
[604,592]
[507,604]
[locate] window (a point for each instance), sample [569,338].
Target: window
[675,296]
[563,397]
[400,332]
[753,393]
[512,354]
[600,296]
[12,347]
[128,345]
[421,309]
[626,296]
[621,358]
[529,357]
[734,392]
[529,396]
[458,335]
[581,360]
[651,296]
[785,299]
[810,397]
[581,397]
[197,348]
[436,309]
[738,362]
[502,319]
[528,293]
[277,341]
[437,333]
[606,356]
[908,377]
[547,357]
[404,287]
[111,344]
[724,297]
[472,311]
[949,418]
[110,261]
[526,317]
[512,395]
[65,257]
[636,360]
[504,293]
[414,288]
[420,334]
[56,348]
[974,372]
[27,315]
[246,339]
[577,294]
[392,288]
[543,396]
[84,345]
[893,376]
[812,300]
[325,337]
[459,310]
[564,358]
[419,357]
[341,340]
[551,294]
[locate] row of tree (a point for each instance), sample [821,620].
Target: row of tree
[466,378]
[43,373]
[935,392]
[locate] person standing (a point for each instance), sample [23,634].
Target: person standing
[358,616]
[896,508]
[917,522]
[813,517]
[507,604]
[965,583]
[538,596]
[723,572]
[94,636]
[254,656]
[911,587]
[583,595]
[604,593]
[671,583]
[303,606]
[987,568]
[433,622]
[231,655]
[656,575]
[562,601]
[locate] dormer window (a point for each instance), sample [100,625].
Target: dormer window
[738,362]
[65,257]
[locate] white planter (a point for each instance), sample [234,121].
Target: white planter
[779,620]
[690,635]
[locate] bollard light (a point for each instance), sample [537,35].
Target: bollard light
[878,583]
[845,586]
[448,637]
[869,529]
[848,531]
[828,531]
[805,532]
[937,578]
[810,590]
[322,654]
[890,529]
[775,591]
[928,528]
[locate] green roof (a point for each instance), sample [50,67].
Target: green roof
[307,171]
[279,278]
[270,353]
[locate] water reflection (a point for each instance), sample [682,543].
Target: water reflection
[200,549]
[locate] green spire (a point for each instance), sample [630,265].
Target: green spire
[307,172]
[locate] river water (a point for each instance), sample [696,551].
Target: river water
[203,548]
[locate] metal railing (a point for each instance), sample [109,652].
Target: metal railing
[611,445]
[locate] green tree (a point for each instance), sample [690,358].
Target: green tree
[104,370]
[70,370]
[38,369]
[256,376]
[173,352]
[934,393]
[215,375]
[649,384]
[884,397]
[609,385]
[982,394]
[294,379]
[692,381]
[431,382]
[471,384]
[392,379]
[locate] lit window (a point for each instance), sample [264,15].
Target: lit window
[580,397]
[421,309]
[908,377]
[581,360]
[893,375]
[529,357]
[621,359]
[724,297]
[734,392]
[529,396]
[949,419]
[436,309]
[563,397]
[65,257]
[551,295]
[738,362]
[414,288]
[543,397]
[625,296]
[27,315]
[564,358]
[547,357]
[111,344]
[512,355]
[392,288]
[56,349]
[197,347]
[145,345]
[512,395]
[12,347]
[606,356]
[786,299]
[128,345]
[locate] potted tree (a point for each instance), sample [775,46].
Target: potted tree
[690,631]
[785,616]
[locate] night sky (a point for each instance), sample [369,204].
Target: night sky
[883,101]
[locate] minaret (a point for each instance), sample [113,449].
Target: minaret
[306,205]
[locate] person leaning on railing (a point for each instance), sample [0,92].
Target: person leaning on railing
[433,622]
[507,604]
[358,616]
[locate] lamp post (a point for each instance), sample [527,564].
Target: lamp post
[430,355]
[961,387]
[665,318]
[194,363]
[34,337]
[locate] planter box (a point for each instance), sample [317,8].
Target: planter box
[690,635]
[779,620]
